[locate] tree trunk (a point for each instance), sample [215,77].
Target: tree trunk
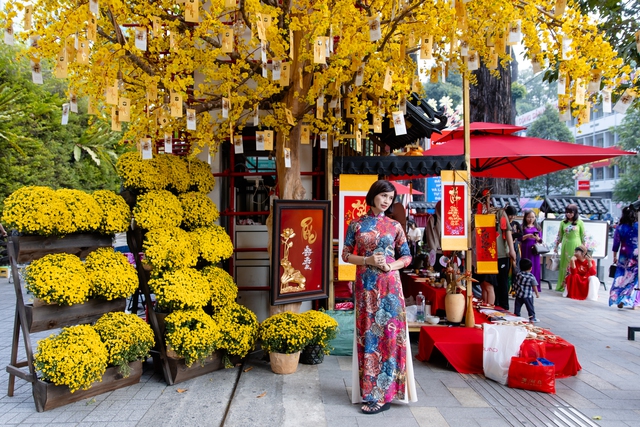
[490,101]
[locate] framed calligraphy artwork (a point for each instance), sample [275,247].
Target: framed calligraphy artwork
[454,227]
[486,244]
[300,250]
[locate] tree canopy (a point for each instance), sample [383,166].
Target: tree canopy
[627,189]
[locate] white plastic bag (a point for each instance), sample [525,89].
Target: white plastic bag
[412,313]
[500,344]
[553,262]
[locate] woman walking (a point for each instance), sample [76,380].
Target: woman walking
[378,246]
[531,234]
[570,236]
[624,292]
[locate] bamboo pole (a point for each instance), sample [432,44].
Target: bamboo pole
[469,318]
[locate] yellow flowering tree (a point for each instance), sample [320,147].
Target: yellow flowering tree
[335,67]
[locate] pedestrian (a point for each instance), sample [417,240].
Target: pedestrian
[414,234]
[581,270]
[532,234]
[624,290]
[525,286]
[570,236]
[432,238]
[506,257]
[377,245]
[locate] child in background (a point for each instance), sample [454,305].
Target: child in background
[525,285]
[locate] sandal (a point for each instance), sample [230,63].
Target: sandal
[371,408]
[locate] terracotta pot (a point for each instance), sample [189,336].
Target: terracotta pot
[284,364]
[454,307]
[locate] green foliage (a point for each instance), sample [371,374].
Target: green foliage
[452,88]
[518,91]
[627,189]
[538,93]
[549,126]
[36,148]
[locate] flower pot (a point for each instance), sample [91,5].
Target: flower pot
[284,364]
[179,371]
[454,307]
[43,317]
[312,354]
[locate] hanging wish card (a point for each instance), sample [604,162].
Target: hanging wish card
[606,101]
[94,7]
[65,114]
[146,148]
[402,105]
[256,115]
[595,81]
[91,106]
[260,27]
[375,32]
[287,157]
[276,65]
[319,51]
[285,74]
[111,93]
[289,115]
[359,141]
[115,121]
[562,83]
[238,146]
[268,140]
[156,24]
[398,123]
[564,108]
[168,143]
[265,71]
[141,38]
[584,116]
[124,109]
[535,64]
[324,140]
[624,102]
[473,61]
[152,92]
[566,48]
[416,86]
[319,112]
[291,44]
[388,79]
[426,50]
[359,75]
[173,42]
[73,102]
[259,141]
[464,48]
[191,11]
[92,28]
[227,40]
[338,110]
[305,134]
[176,104]
[581,90]
[229,4]
[377,123]
[61,64]
[191,119]
[8,35]
[493,60]
[558,10]
[36,72]
[515,33]
[28,17]
[82,54]
[225,106]
[637,36]
[163,119]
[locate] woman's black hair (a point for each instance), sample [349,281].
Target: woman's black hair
[381,186]
[574,209]
[628,216]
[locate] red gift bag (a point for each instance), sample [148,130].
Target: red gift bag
[524,375]
[533,349]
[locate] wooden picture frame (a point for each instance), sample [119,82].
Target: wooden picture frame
[300,250]
[597,232]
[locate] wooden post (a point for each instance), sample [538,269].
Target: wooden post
[469,318]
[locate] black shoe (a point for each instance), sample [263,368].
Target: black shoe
[371,408]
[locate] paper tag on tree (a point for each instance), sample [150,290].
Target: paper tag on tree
[191,119]
[291,44]
[192,11]
[426,50]
[227,40]
[319,51]
[268,140]
[324,140]
[402,104]
[535,64]
[606,101]
[259,141]
[92,28]
[276,65]
[94,7]
[61,64]
[388,79]
[377,123]
[359,75]
[581,91]
[558,10]
[260,27]
[359,141]
[157,26]
[111,93]
[562,83]
[238,146]
[464,48]
[305,134]
[226,104]
[375,32]
[141,38]
[566,47]
[168,143]
[36,72]
[564,108]
[287,157]
[73,102]
[65,114]
[82,55]
[289,115]
[624,102]
[163,120]
[91,106]
[515,33]
[229,4]
[595,81]
[152,92]
[398,123]
[176,104]
[473,62]
[637,36]
[584,116]
[285,74]
[115,120]
[146,148]
[256,115]
[124,109]
[493,60]
[28,17]
[8,35]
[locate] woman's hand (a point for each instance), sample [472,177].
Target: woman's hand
[379,260]
[386,268]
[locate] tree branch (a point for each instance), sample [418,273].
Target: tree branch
[120,39]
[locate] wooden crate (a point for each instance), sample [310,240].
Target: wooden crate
[53,316]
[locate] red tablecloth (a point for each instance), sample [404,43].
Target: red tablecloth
[411,285]
[462,347]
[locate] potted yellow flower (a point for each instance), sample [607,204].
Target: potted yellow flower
[283,336]
[239,331]
[192,335]
[58,279]
[111,275]
[325,328]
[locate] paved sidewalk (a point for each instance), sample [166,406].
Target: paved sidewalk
[607,388]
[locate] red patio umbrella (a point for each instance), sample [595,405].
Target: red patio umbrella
[404,189]
[477,128]
[522,157]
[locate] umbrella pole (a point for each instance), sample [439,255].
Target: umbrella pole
[469,317]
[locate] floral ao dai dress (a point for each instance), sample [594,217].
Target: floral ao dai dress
[381,348]
[625,283]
